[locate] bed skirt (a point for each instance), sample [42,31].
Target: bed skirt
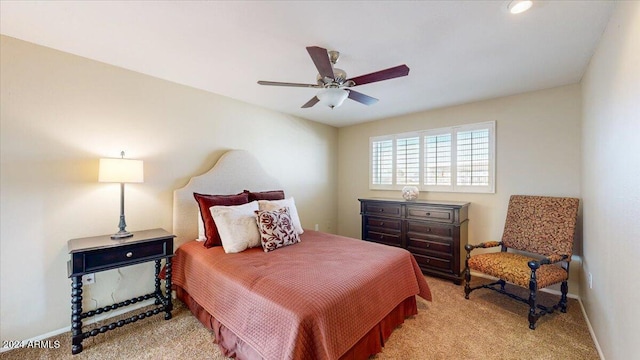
[370,344]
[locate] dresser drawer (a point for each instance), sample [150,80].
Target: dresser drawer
[110,258]
[433,262]
[382,209]
[393,239]
[429,229]
[384,223]
[426,247]
[430,213]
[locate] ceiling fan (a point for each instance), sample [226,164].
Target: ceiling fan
[334,83]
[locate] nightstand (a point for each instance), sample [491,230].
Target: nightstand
[100,253]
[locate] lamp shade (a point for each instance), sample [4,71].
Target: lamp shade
[121,171]
[332,97]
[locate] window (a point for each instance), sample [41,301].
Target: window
[458,159]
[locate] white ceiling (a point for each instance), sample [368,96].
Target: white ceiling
[458,51]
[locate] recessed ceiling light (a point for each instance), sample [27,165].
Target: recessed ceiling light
[519,6]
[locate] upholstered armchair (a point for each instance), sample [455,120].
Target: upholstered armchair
[541,229]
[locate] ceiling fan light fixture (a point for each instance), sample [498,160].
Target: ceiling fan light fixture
[334,83]
[332,97]
[519,6]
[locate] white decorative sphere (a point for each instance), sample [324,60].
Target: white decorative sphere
[410,193]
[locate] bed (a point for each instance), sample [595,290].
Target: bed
[325,297]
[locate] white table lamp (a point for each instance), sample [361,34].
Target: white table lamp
[121,171]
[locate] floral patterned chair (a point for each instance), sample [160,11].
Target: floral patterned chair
[537,225]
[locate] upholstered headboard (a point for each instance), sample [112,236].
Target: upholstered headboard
[235,171]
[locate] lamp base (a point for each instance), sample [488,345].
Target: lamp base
[121,235]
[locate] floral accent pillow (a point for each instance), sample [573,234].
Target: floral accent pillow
[276,229]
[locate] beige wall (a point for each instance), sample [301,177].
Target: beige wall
[537,152]
[611,184]
[60,113]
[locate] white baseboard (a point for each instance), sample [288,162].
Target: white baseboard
[593,334]
[556,292]
[93,320]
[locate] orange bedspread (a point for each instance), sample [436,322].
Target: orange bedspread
[311,300]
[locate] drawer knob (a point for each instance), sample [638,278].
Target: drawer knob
[129,254]
[428,260]
[428,214]
[381,223]
[427,245]
[428,229]
[381,210]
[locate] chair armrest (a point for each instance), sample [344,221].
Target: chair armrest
[484,245]
[535,264]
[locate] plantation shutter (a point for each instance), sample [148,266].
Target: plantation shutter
[437,159]
[408,161]
[382,162]
[473,158]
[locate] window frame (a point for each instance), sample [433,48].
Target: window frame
[453,131]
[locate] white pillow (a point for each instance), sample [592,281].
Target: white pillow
[237,226]
[271,205]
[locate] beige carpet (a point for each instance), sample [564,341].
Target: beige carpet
[487,326]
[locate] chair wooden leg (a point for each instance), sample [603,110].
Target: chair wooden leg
[533,292]
[532,310]
[467,277]
[467,288]
[564,288]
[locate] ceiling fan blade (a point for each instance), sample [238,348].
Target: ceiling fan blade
[314,100]
[320,58]
[275,83]
[386,74]
[362,98]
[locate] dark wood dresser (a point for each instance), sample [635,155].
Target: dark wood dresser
[435,232]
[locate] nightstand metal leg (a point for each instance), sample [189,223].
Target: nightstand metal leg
[76,315]
[169,304]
